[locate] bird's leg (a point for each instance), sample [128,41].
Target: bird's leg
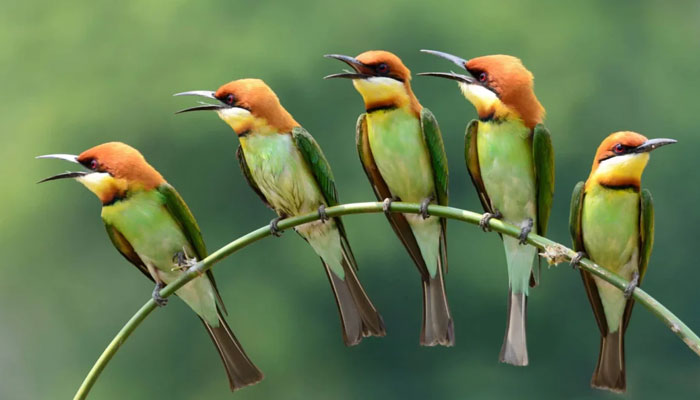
[484,222]
[525,230]
[160,300]
[632,285]
[183,261]
[322,213]
[424,207]
[576,260]
[274,230]
[387,205]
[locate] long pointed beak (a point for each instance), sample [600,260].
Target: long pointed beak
[450,75]
[64,175]
[653,144]
[203,106]
[457,60]
[354,63]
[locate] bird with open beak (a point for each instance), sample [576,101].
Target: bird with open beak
[401,150]
[612,222]
[152,227]
[285,166]
[510,160]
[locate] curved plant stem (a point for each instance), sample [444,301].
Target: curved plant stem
[552,250]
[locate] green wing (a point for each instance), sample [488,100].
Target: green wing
[125,248]
[248,177]
[543,155]
[471,155]
[438,158]
[397,221]
[321,170]
[646,242]
[182,214]
[577,239]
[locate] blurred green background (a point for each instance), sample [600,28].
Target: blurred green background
[78,73]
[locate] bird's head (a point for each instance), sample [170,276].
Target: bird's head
[381,78]
[246,105]
[498,86]
[621,158]
[113,170]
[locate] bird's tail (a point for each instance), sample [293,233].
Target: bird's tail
[514,349]
[438,328]
[240,370]
[610,372]
[358,316]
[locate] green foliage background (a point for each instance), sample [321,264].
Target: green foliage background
[78,73]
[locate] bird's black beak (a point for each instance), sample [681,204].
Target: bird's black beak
[653,144]
[64,175]
[462,63]
[359,68]
[203,106]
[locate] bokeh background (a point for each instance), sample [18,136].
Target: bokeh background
[78,73]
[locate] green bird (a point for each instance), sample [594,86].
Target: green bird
[612,222]
[152,227]
[401,150]
[510,160]
[285,166]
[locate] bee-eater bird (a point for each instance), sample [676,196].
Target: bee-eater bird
[401,150]
[612,222]
[152,227]
[510,160]
[285,166]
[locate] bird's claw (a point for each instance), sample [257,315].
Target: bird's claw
[274,230]
[525,230]
[424,207]
[632,285]
[183,261]
[576,260]
[322,213]
[386,205]
[484,222]
[160,300]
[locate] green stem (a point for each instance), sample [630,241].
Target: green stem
[552,249]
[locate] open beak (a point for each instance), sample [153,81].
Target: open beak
[203,106]
[354,63]
[64,175]
[462,63]
[653,144]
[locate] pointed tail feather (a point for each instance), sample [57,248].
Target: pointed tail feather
[610,372]
[514,349]
[358,317]
[438,328]
[240,370]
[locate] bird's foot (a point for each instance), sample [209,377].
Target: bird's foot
[424,207]
[484,222]
[160,300]
[576,260]
[525,230]
[322,213]
[182,261]
[274,230]
[632,285]
[386,205]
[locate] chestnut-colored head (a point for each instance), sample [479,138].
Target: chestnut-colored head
[382,80]
[115,169]
[621,158]
[499,86]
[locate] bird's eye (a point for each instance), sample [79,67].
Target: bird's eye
[382,68]
[230,99]
[93,164]
[619,149]
[482,77]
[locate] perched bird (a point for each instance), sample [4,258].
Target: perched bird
[152,227]
[510,160]
[612,222]
[285,166]
[401,150]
